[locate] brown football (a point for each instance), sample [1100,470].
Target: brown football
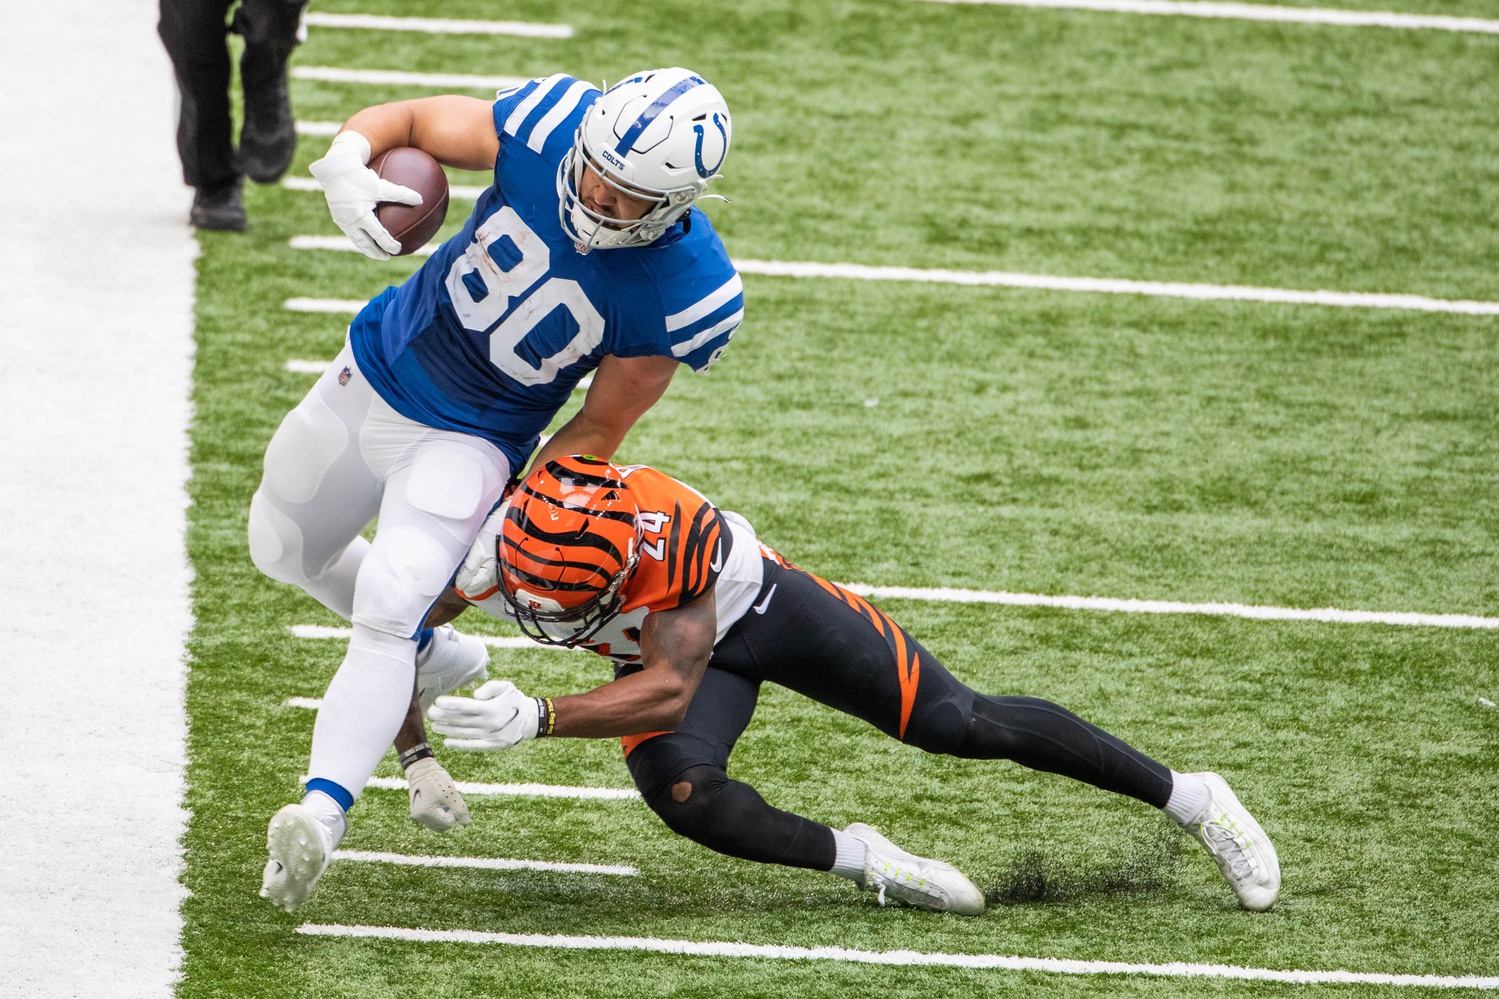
[410,167]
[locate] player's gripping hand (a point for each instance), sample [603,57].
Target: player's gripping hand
[353,190]
[497,717]
[435,801]
[478,578]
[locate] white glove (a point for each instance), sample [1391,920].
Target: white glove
[353,190]
[479,576]
[497,717]
[435,801]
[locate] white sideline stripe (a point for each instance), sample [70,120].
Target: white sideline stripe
[483,863]
[527,790]
[334,74]
[437,25]
[493,641]
[475,788]
[1131,606]
[1260,12]
[716,948]
[1116,286]
[93,906]
[1045,282]
[468,192]
[312,703]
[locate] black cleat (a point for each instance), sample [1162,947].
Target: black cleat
[221,209]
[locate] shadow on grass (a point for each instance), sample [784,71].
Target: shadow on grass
[1034,877]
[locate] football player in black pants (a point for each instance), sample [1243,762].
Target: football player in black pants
[696,613]
[195,33]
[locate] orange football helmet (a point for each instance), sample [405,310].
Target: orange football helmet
[569,543]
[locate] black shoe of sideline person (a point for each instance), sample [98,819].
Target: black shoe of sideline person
[219,208]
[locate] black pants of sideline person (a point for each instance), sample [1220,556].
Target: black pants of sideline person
[195,33]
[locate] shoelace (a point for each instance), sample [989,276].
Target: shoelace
[1230,844]
[887,874]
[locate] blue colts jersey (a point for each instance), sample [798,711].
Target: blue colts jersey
[493,332]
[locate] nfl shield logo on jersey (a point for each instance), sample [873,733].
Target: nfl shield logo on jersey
[343,376]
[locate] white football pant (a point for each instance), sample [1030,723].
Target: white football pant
[339,458]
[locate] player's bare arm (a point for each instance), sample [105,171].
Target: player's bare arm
[675,646]
[455,131]
[623,388]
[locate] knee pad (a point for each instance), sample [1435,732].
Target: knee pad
[404,572]
[275,542]
[310,439]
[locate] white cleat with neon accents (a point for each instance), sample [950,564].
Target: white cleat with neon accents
[450,660]
[912,880]
[300,847]
[1237,844]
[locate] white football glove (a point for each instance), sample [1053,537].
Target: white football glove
[435,801]
[478,578]
[353,190]
[497,717]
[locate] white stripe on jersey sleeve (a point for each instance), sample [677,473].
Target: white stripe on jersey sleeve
[693,313]
[525,107]
[554,117]
[716,330]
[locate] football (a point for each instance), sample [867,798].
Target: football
[412,168]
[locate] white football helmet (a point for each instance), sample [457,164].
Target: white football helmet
[661,135]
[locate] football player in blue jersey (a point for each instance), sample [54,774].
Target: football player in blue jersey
[585,255]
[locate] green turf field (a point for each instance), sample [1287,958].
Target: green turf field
[923,435]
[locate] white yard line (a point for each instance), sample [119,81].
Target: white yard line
[525,790]
[1131,606]
[493,641]
[996,962]
[401,78]
[302,366]
[342,243]
[462,192]
[96,354]
[1260,12]
[1117,286]
[437,26]
[340,306]
[1045,282]
[319,129]
[484,863]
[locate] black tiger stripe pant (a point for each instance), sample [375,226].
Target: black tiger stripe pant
[813,637]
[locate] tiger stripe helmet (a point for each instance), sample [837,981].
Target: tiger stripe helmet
[569,543]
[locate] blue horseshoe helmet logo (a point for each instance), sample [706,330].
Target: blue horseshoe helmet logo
[697,154]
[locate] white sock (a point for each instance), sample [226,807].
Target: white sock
[328,812]
[1189,793]
[849,863]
